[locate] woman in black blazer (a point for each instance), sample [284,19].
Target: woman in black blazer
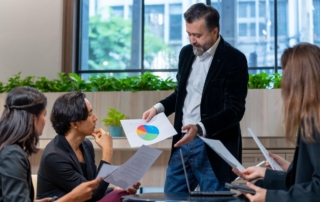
[21,124]
[301,98]
[68,159]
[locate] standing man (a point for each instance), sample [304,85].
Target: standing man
[209,100]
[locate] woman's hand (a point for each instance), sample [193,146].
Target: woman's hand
[82,192]
[133,190]
[260,195]
[104,141]
[250,173]
[136,186]
[284,164]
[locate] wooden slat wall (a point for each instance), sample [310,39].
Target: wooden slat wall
[263,114]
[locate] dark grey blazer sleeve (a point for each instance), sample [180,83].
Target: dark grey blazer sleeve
[14,174]
[305,185]
[275,180]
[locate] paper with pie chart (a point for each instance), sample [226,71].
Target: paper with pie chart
[139,132]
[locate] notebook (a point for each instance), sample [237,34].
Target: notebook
[202,193]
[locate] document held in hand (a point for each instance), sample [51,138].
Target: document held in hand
[132,170]
[223,152]
[139,132]
[274,165]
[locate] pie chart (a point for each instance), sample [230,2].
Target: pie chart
[148,132]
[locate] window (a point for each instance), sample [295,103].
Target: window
[122,38]
[175,17]
[316,21]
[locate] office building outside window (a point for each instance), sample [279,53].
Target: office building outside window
[128,37]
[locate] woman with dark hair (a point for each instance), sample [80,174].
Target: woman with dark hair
[68,159]
[21,124]
[301,99]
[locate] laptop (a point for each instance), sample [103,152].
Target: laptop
[202,193]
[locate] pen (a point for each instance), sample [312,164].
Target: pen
[259,164]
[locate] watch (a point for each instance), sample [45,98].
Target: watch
[200,132]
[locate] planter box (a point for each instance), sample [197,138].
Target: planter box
[263,114]
[264,111]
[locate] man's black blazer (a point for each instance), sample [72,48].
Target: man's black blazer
[60,170]
[222,103]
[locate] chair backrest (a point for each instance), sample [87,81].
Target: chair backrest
[34,182]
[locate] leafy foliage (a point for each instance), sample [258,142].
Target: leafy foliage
[1,87]
[276,78]
[113,118]
[74,82]
[144,82]
[264,81]
[110,43]
[17,81]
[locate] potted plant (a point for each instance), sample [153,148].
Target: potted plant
[113,122]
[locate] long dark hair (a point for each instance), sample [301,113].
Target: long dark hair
[17,120]
[300,92]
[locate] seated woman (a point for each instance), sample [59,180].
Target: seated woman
[301,98]
[21,124]
[68,159]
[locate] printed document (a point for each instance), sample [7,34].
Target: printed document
[274,165]
[132,170]
[139,132]
[223,152]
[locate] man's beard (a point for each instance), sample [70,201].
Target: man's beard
[198,52]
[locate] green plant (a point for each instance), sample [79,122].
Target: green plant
[113,118]
[264,81]
[73,82]
[17,81]
[110,43]
[276,78]
[1,87]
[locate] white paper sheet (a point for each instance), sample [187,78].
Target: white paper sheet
[133,169]
[106,170]
[223,152]
[274,165]
[139,132]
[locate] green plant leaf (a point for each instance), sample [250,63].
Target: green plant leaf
[113,118]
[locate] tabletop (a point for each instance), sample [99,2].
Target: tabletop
[155,197]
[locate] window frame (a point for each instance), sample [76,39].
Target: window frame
[72,36]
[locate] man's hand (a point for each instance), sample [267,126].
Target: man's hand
[191,133]
[148,115]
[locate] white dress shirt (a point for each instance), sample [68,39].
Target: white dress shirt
[195,84]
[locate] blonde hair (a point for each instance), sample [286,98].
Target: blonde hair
[300,93]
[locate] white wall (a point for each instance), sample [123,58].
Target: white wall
[30,38]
